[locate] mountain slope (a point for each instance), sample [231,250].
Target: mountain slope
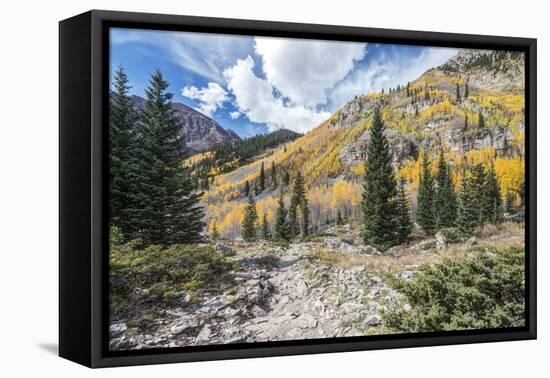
[201,132]
[426,117]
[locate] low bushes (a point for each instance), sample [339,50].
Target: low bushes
[163,273]
[485,291]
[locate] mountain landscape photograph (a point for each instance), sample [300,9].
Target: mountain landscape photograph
[270,189]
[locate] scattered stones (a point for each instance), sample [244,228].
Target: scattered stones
[373,320]
[116,329]
[471,242]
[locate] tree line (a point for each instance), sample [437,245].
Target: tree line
[386,207]
[151,196]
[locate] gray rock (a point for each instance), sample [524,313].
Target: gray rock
[351,317]
[373,320]
[185,324]
[222,248]
[440,241]
[203,338]
[131,342]
[471,242]
[116,329]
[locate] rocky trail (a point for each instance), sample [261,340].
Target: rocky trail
[329,286]
[277,294]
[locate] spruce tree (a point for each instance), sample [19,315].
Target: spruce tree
[479,182]
[457,92]
[273,176]
[404,209]
[445,199]
[425,214]
[282,227]
[246,188]
[339,219]
[167,209]
[298,201]
[466,90]
[492,207]
[122,123]
[250,220]
[262,178]
[408,89]
[264,228]
[214,233]
[480,120]
[468,212]
[380,213]
[465,127]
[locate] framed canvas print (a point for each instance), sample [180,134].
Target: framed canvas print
[233,188]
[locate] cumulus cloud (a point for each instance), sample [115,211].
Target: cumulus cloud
[234,115]
[210,98]
[386,72]
[303,70]
[255,97]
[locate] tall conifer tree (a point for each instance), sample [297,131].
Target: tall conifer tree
[492,207]
[167,209]
[250,220]
[380,213]
[468,212]
[404,212]
[445,199]
[122,122]
[282,226]
[262,177]
[425,214]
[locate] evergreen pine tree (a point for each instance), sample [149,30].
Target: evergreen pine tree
[457,92]
[250,219]
[264,228]
[282,227]
[465,127]
[380,213]
[339,220]
[167,209]
[493,203]
[273,176]
[403,205]
[286,178]
[468,212]
[480,120]
[445,199]
[214,233]
[466,90]
[408,89]
[479,182]
[256,189]
[425,214]
[246,188]
[298,201]
[262,178]
[122,122]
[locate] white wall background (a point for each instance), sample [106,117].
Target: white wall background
[29,185]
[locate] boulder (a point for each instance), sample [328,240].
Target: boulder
[185,324]
[440,241]
[116,329]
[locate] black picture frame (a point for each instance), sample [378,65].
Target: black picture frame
[83,167]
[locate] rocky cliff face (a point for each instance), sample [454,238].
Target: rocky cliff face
[490,75]
[201,132]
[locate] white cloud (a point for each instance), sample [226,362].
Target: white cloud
[210,98]
[255,98]
[234,115]
[303,70]
[385,73]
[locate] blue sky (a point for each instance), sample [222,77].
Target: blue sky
[254,84]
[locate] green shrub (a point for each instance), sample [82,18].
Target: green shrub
[163,272]
[486,291]
[452,234]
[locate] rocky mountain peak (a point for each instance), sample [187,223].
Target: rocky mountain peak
[201,132]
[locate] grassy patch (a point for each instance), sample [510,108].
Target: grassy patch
[484,291]
[162,273]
